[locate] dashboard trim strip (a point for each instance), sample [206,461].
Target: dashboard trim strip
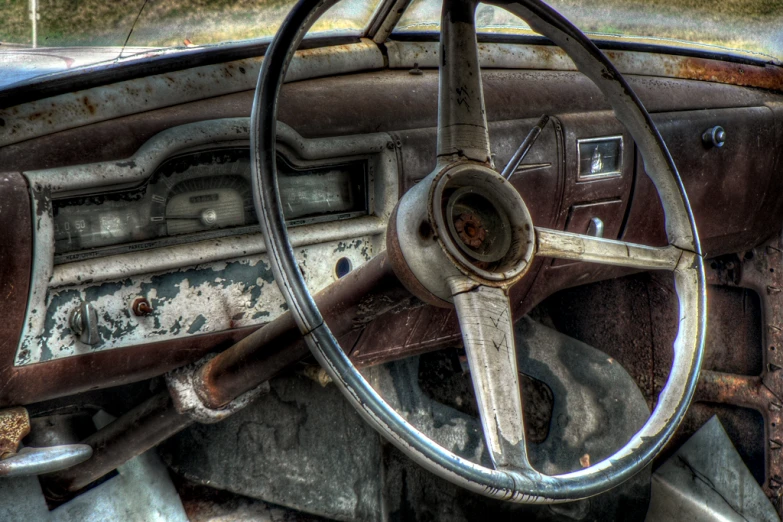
[188,254]
[499,55]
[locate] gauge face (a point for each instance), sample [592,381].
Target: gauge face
[94,222]
[210,203]
[202,195]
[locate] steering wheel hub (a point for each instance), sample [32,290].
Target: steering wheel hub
[481,222]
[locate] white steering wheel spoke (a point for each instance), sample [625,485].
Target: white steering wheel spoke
[487,331]
[462,117]
[579,247]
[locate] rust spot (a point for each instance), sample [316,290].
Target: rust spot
[317,374]
[769,77]
[584,460]
[141,307]
[470,229]
[90,106]
[14,426]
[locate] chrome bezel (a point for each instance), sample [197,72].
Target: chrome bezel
[580,177]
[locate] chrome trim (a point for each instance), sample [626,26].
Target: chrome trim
[580,177]
[37,461]
[132,264]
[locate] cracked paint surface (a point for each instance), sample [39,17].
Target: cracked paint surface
[189,301]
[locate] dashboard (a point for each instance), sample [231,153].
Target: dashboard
[138,238]
[126,250]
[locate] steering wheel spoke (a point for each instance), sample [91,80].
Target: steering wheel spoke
[487,331]
[579,247]
[462,117]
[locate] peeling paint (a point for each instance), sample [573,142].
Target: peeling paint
[227,281]
[190,301]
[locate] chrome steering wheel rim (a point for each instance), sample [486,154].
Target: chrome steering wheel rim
[520,484]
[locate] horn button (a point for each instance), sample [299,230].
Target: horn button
[481,222]
[477,227]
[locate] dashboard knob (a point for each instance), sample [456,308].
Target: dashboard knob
[714,136]
[84,323]
[208,217]
[141,307]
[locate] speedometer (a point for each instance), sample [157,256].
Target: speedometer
[207,203]
[202,195]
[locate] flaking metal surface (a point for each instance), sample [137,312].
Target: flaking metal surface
[229,277]
[404,54]
[70,110]
[207,298]
[14,426]
[761,269]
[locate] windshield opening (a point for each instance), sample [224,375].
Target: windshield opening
[162,23]
[42,37]
[747,27]
[73,33]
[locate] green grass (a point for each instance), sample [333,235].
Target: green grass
[162,22]
[748,25]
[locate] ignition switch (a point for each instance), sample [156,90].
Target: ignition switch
[84,323]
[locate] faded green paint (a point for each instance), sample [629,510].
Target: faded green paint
[200,299]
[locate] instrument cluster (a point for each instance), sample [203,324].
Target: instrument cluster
[201,195]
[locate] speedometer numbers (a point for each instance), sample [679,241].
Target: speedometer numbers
[206,203]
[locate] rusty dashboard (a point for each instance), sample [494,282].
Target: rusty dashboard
[126,251]
[365,138]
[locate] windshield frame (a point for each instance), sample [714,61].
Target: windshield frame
[379,29]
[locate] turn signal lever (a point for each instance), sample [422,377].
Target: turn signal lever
[524,147]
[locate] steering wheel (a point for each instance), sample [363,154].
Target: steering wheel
[463,235]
